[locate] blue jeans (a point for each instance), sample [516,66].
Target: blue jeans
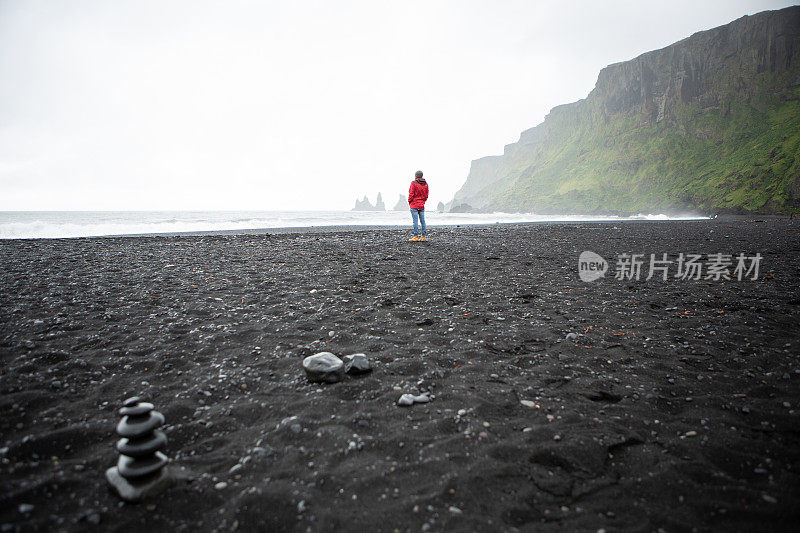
[418,215]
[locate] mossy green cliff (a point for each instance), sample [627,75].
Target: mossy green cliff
[710,123]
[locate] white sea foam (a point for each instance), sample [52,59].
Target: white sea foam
[61,224]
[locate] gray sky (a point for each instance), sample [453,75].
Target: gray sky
[294,105]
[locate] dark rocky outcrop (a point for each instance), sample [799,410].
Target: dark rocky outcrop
[463,208]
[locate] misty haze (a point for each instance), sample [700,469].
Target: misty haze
[419,266]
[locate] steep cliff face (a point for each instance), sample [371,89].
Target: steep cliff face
[708,68]
[711,122]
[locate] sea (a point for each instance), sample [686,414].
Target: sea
[71,224]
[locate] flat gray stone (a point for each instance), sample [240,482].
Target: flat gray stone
[142,446]
[132,401]
[131,468]
[356,363]
[138,426]
[137,410]
[138,491]
[323,367]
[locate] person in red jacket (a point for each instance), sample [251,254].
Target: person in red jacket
[417,194]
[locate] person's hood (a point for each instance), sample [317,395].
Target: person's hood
[421,181]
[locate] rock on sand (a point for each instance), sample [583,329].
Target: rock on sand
[356,363]
[323,367]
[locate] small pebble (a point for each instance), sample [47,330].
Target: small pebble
[406,400]
[356,363]
[221,485]
[409,399]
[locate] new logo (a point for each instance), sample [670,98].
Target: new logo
[591,266]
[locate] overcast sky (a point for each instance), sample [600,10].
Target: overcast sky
[294,105]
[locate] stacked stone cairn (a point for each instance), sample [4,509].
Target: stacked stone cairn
[140,470]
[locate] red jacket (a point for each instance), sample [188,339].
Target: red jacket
[417,194]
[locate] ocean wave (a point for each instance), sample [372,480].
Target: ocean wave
[40,225]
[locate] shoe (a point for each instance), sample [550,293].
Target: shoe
[423,238]
[414,238]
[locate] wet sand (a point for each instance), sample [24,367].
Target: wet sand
[674,405]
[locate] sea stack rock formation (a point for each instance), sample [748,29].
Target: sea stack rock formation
[363,205]
[141,469]
[402,204]
[708,124]
[366,205]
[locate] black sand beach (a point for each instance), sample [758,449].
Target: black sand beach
[675,405]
